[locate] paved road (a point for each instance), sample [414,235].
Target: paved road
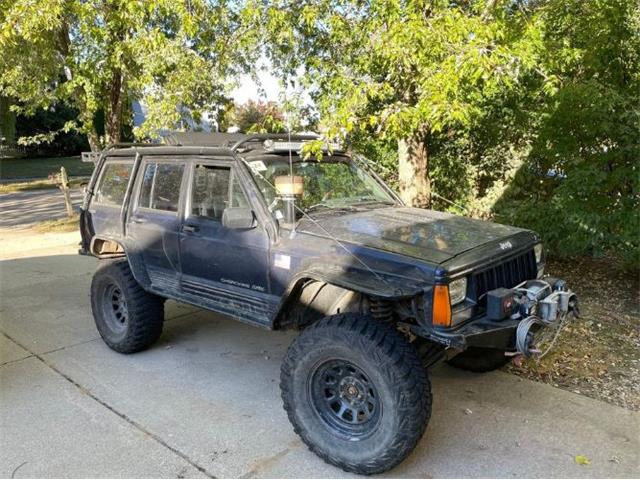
[22,209]
[204,401]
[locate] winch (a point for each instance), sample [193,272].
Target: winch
[542,303]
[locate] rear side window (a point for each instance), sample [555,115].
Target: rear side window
[113,184]
[214,189]
[160,189]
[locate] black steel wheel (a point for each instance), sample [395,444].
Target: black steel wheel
[114,308]
[128,318]
[356,393]
[345,398]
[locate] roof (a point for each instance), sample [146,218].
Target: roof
[232,140]
[200,143]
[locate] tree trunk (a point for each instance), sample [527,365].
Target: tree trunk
[7,122]
[94,140]
[114,113]
[413,171]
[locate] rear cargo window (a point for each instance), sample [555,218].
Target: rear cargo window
[160,189]
[113,184]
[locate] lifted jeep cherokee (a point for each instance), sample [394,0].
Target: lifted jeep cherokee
[246,226]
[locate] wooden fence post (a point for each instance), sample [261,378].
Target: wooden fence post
[64,186]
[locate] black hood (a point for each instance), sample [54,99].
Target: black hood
[428,235]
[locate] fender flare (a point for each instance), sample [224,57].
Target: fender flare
[115,250]
[346,288]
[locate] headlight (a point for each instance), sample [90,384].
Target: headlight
[458,290]
[537,249]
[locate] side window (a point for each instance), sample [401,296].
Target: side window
[238,199]
[160,189]
[214,189]
[113,184]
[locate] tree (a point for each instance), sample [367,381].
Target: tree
[259,117]
[99,56]
[587,129]
[404,71]
[42,132]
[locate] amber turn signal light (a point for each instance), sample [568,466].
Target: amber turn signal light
[441,306]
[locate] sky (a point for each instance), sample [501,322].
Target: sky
[249,90]
[268,87]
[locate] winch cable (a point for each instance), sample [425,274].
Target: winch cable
[331,236]
[523,339]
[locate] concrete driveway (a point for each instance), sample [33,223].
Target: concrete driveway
[204,401]
[22,209]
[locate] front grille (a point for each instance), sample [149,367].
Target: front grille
[506,274]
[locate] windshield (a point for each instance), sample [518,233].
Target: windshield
[331,183]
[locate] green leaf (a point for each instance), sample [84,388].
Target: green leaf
[582,460]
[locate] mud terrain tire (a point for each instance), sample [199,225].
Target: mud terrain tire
[128,318]
[354,363]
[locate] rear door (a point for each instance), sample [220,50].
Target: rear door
[226,268]
[155,219]
[109,192]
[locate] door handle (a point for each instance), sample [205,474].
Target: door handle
[190,228]
[138,220]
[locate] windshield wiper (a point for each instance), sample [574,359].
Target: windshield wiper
[319,206]
[372,201]
[316,206]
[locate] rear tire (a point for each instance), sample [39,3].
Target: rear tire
[480,360]
[356,393]
[128,318]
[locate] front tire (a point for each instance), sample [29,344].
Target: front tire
[356,393]
[479,360]
[128,318]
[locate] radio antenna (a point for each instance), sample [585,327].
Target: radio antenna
[288,117]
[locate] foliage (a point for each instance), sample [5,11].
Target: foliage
[259,117]
[45,132]
[409,73]
[398,67]
[99,56]
[587,129]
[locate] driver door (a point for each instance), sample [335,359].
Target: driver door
[228,269]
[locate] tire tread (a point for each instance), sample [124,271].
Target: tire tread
[400,362]
[146,310]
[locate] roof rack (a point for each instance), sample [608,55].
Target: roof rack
[283,137]
[231,141]
[203,139]
[93,157]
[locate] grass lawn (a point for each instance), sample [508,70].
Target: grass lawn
[10,187]
[18,168]
[68,224]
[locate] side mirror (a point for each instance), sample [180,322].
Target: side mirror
[238,218]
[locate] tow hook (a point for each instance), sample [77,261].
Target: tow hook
[517,360]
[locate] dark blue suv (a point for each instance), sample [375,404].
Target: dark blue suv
[248,226]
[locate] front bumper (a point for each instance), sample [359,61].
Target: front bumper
[478,332]
[516,322]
